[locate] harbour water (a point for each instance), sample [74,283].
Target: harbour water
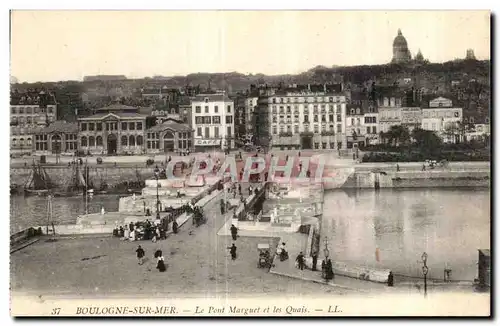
[449,225]
[32,211]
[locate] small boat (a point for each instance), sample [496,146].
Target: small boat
[38,182]
[35,192]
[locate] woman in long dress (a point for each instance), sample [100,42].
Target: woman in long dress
[161,264]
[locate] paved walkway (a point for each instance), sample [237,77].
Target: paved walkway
[198,265]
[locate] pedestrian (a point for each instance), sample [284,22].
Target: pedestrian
[234,232]
[140,255]
[131,227]
[423,167]
[232,250]
[397,167]
[266,175]
[161,264]
[249,190]
[315,260]
[239,188]
[299,153]
[329,270]
[300,261]
[175,226]
[390,279]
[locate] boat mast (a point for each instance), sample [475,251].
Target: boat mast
[49,213]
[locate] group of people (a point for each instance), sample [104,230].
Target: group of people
[145,230]
[158,255]
[326,265]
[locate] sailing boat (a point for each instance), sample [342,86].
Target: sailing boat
[38,182]
[79,183]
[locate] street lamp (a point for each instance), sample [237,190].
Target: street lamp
[157,175]
[425,270]
[326,251]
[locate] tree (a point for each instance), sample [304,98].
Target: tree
[426,140]
[398,135]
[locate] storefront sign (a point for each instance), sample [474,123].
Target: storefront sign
[207,142]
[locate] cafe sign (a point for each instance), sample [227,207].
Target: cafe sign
[207,142]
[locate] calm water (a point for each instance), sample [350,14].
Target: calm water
[30,211]
[450,225]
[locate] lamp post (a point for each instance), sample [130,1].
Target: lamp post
[425,270]
[157,175]
[326,251]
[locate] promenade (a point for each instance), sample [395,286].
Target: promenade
[198,265]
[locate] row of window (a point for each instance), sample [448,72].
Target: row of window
[306,119]
[441,114]
[30,110]
[297,108]
[110,126]
[307,99]
[306,129]
[216,132]
[212,120]
[30,120]
[41,143]
[67,137]
[181,144]
[207,109]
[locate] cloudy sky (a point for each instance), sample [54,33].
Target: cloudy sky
[67,45]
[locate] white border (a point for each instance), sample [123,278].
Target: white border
[127,4]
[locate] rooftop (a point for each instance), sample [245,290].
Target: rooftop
[172,125]
[117,114]
[211,98]
[61,126]
[117,107]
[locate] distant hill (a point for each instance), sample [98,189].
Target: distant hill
[429,75]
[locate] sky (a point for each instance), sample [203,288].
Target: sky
[68,45]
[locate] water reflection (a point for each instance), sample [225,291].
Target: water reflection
[32,211]
[450,225]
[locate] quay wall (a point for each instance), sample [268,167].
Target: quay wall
[62,176]
[417,179]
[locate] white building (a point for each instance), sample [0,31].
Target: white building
[389,116]
[212,119]
[308,120]
[442,118]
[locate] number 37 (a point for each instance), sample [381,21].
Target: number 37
[55,311]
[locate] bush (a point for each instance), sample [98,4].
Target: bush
[99,160]
[150,161]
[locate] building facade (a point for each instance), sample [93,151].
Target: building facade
[411,118]
[444,119]
[389,116]
[355,126]
[212,119]
[29,113]
[169,137]
[116,129]
[60,137]
[304,119]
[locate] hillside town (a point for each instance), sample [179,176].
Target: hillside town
[332,111]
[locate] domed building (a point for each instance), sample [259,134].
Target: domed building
[400,52]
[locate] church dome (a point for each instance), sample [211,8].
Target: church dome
[400,52]
[400,41]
